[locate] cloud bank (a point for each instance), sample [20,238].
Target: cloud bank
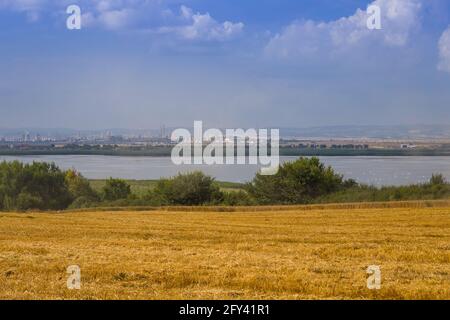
[344,39]
[203,26]
[444,51]
[399,19]
[142,15]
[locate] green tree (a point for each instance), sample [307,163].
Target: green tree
[38,185]
[189,189]
[79,187]
[26,201]
[116,189]
[297,182]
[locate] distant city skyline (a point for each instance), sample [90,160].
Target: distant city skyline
[441,131]
[270,63]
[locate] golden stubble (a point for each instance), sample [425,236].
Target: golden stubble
[294,254]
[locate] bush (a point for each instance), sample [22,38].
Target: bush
[238,198]
[189,189]
[438,179]
[297,182]
[79,187]
[116,189]
[83,202]
[44,186]
[33,186]
[437,188]
[26,201]
[155,199]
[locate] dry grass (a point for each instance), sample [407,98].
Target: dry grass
[283,254]
[260,208]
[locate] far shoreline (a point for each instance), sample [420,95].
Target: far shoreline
[294,152]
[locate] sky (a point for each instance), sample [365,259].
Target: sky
[229,63]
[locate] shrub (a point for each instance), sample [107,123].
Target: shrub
[438,179]
[154,198]
[297,182]
[189,189]
[83,202]
[116,189]
[238,198]
[26,201]
[38,185]
[437,188]
[79,187]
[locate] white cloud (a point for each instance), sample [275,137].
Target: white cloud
[444,51]
[151,15]
[31,8]
[203,27]
[310,38]
[23,5]
[116,19]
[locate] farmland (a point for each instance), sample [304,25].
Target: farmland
[275,253]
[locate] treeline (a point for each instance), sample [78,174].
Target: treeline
[43,186]
[165,151]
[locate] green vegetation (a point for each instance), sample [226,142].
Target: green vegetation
[37,186]
[44,186]
[115,189]
[79,186]
[297,182]
[141,187]
[106,150]
[190,189]
[436,188]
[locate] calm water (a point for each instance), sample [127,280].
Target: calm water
[371,170]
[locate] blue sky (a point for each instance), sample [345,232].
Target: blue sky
[230,63]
